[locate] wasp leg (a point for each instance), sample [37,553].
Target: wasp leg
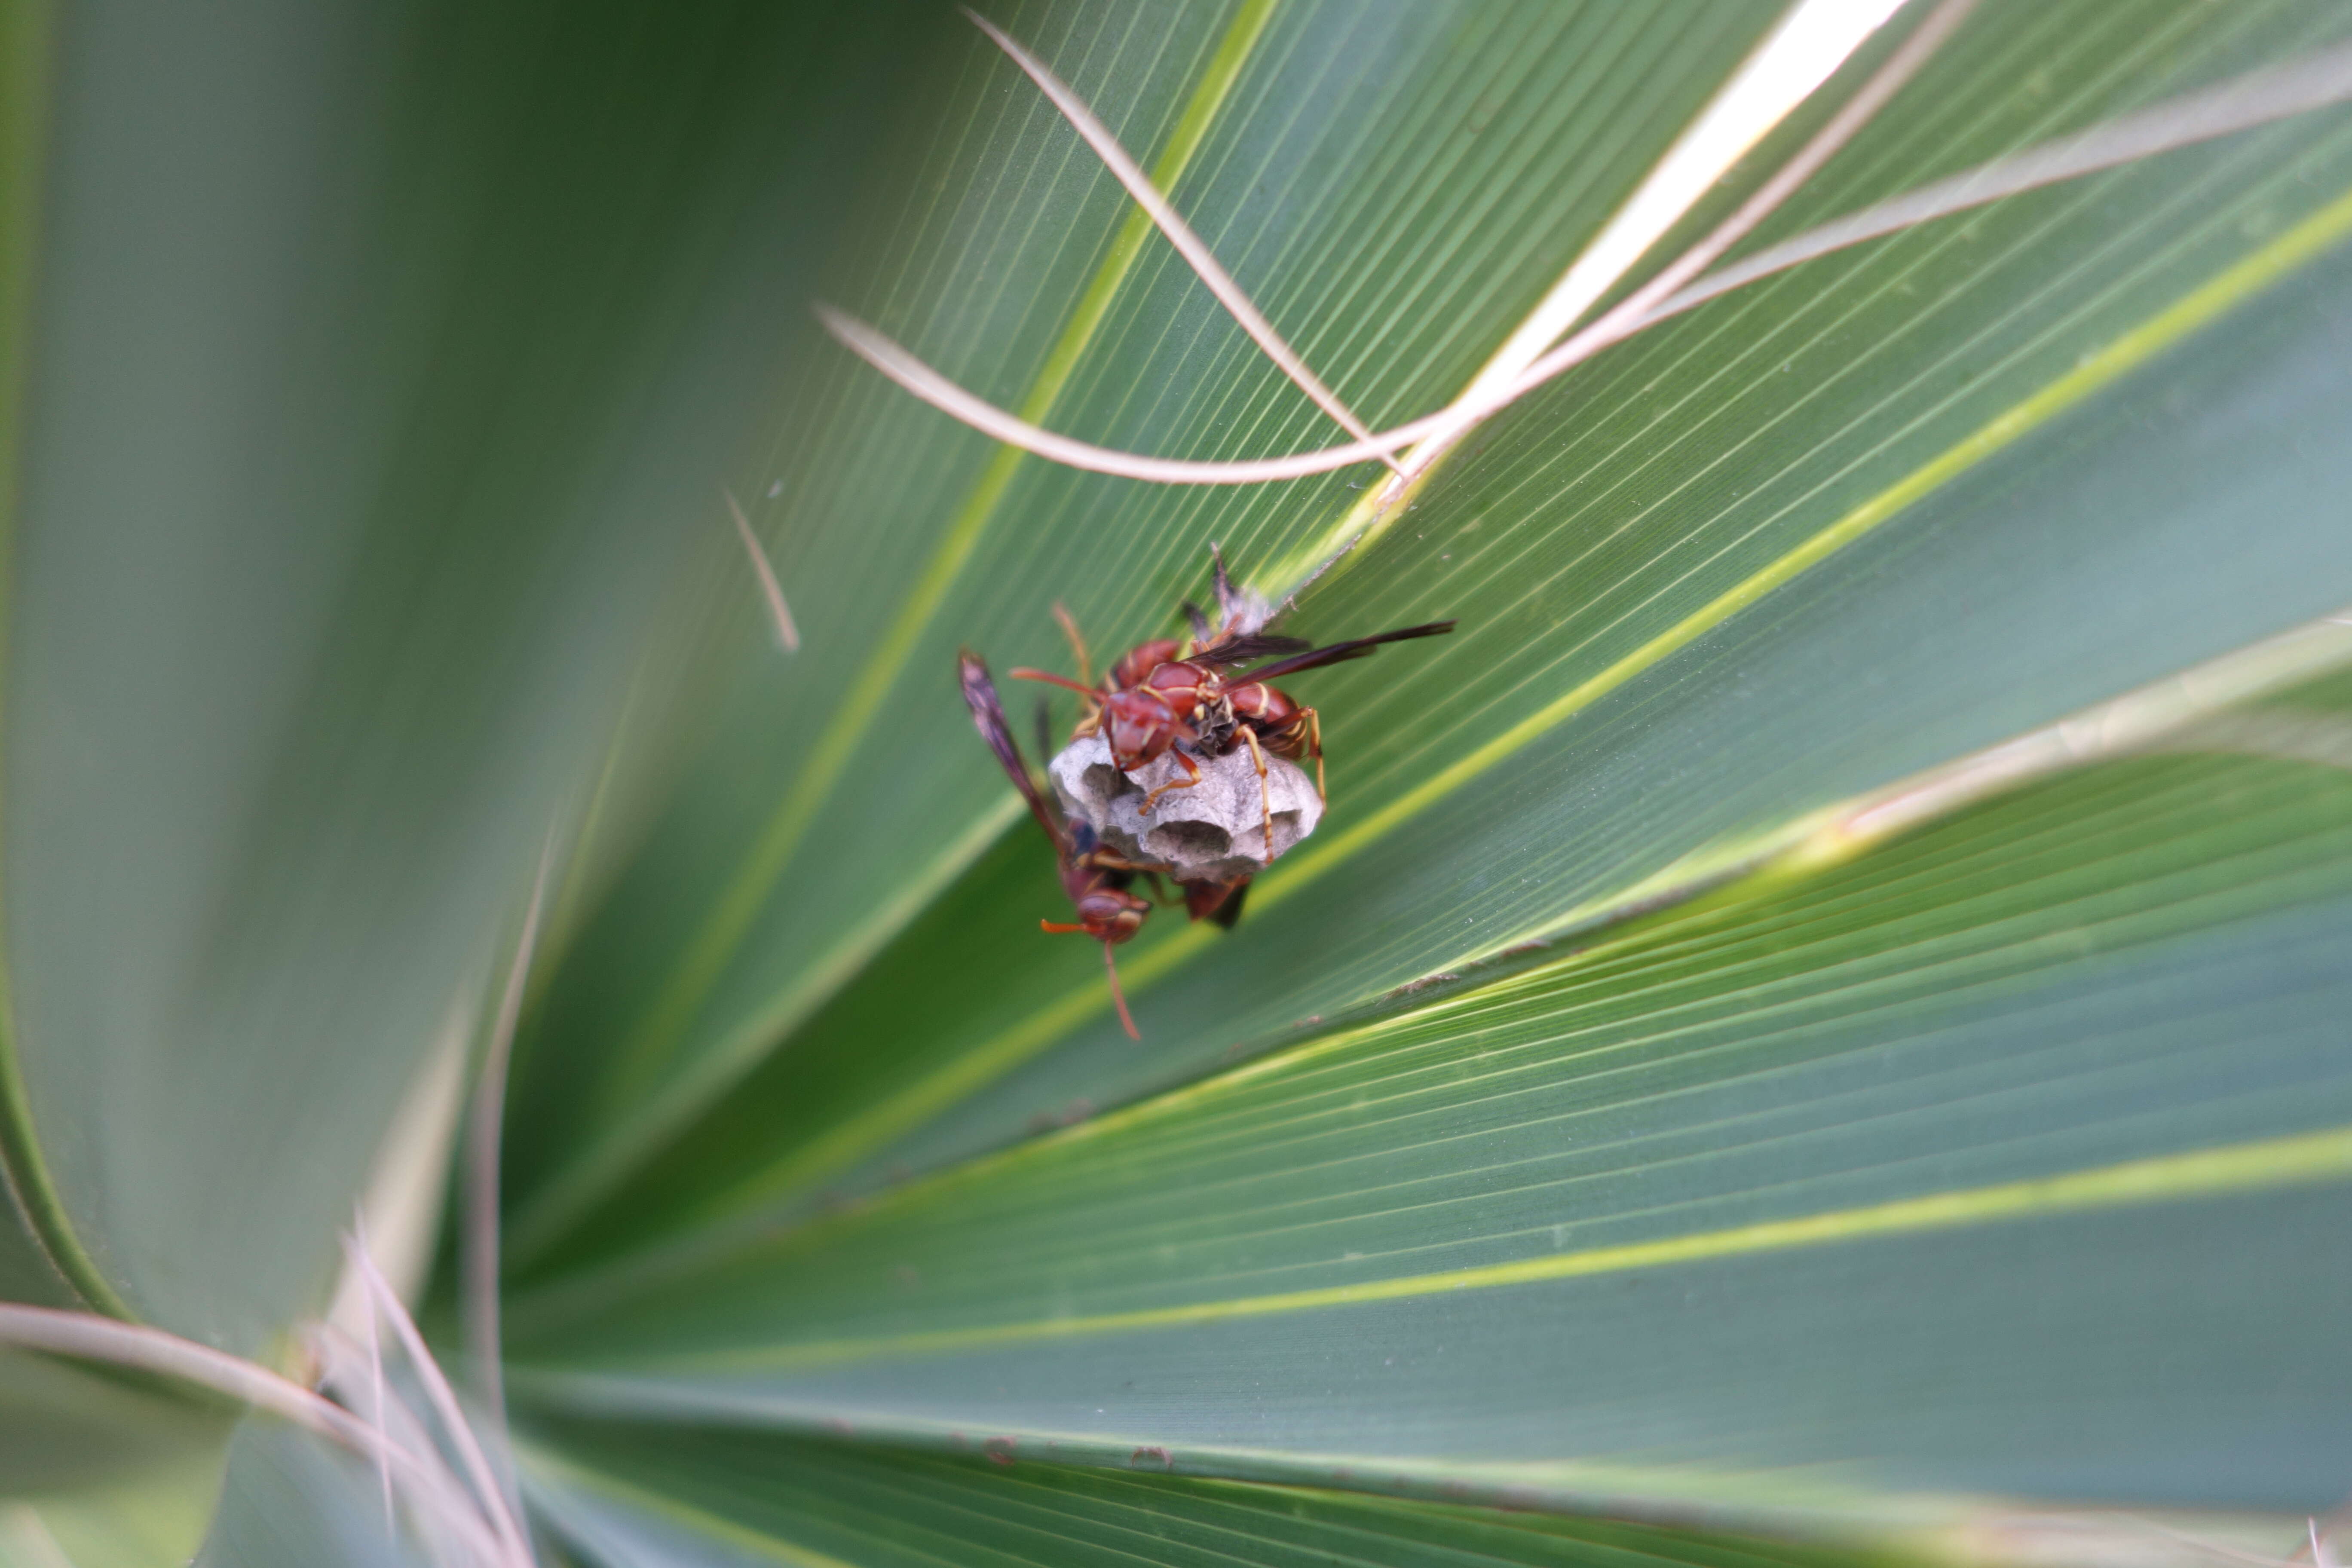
[1264,802]
[1150,871]
[1105,860]
[1191,768]
[1315,748]
[1119,997]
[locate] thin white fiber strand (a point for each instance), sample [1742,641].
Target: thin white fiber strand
[375,1401]
[2258,99]
[779,612]
[1812,41]
[345,1371]
[1638,309]
[89,1337]
[893,361]
[1179,234]
[445,1404]
[2241,103]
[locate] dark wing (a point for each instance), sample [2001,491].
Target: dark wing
[1241,650]
[1218,902]
[1340,652]
[1197,621]
[1229,603]
[1042,719]
[988,717]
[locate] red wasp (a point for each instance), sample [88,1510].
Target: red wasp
[1159,694]
[1095,879]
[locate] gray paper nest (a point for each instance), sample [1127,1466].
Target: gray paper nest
[1213,831]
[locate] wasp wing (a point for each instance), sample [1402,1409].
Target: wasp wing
[1242,649]
[988,718]
[1220,903]
[1042,721]
[1238,610]
[1340,652]
[1229,603]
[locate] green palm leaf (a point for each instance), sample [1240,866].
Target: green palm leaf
[1812,1025]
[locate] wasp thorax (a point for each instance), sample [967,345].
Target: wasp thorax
[1214,830]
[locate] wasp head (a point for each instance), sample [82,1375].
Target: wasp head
[1140,726]
[1110,915]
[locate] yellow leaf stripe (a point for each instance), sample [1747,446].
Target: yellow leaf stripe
[2305,1160]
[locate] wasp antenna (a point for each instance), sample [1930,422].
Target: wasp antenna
[1119,997]
[1199,622]
[1051,680]
[1077,643]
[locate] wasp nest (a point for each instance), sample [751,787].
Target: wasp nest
[1215,830]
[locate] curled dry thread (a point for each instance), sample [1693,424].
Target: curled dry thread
[2257,98]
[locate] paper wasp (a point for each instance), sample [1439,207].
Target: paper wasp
[1161,692]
